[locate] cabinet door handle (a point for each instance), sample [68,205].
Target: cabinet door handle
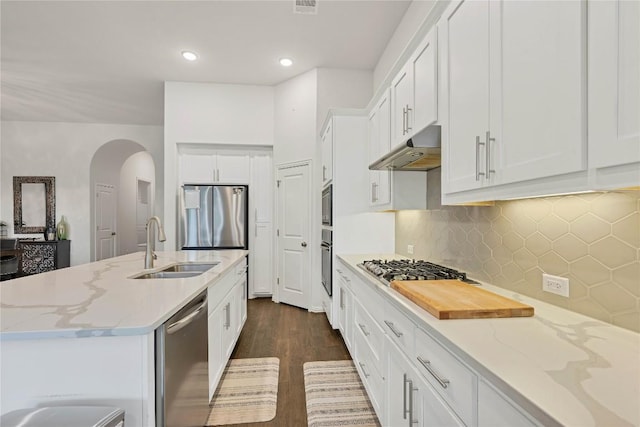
[341,298]
[408,109]
[366,375]
[393,329]
[404,121]
[478,144]
[427,365]
[256,230]
[364,331]
[404,396]
[324,170]
[488,153]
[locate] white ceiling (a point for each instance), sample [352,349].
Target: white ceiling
[106,61]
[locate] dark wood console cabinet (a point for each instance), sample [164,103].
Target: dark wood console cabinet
[40,256]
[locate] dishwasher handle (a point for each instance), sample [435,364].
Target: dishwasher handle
[176,326]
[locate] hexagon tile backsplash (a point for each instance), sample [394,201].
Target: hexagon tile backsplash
[593,239]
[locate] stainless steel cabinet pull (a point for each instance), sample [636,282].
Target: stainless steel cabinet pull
[393,329]
[404,121]
[341,298]
[404,396]
[408,109]
[256,230]
[366,375]
[364,331]
[324,170]
[478,144]
[427,365]
[488,153]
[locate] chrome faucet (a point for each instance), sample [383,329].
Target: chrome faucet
[150,255]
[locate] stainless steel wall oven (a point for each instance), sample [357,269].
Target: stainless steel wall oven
[327,196]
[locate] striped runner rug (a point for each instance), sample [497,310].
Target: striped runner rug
[247,392]
[335,396]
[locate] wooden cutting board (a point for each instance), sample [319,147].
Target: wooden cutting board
[453,299]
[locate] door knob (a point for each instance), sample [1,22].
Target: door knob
[303,244]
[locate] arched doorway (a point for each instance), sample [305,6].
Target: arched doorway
[123,193]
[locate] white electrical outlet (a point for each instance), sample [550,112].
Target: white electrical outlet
[555,285]
[410,249]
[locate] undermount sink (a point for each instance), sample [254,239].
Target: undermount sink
[178,271]
[200,267]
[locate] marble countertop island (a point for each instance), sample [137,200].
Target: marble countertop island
[101,298]
[563,367]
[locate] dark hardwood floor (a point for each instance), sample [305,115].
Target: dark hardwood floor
[295,336]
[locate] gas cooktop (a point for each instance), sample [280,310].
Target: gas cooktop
[405,269]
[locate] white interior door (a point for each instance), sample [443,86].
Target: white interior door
[106,205]
[294,279]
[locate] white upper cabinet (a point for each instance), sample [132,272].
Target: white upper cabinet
[414,92]
[538,89]
[614,84]
[232,168]
[514,91]
[327,154]
[464,37]
[214,168]
[379,144]
[401,106]
[424,69]
[197,169]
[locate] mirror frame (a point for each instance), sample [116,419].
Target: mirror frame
[50,203]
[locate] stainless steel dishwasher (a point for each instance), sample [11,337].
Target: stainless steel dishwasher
[182,374]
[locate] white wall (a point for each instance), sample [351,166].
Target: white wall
[340,88]
[210,113]
[65,150]
[138,166]
[408,27]
[295,119]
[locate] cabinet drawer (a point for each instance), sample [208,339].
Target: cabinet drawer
[371,332]
[368,296]
[495,410]
[218,290]
[399,328]
[453,380]
[371,378]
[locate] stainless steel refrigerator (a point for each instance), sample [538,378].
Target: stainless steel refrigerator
[214,217]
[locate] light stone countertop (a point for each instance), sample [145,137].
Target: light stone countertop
[562,367]
[100,298]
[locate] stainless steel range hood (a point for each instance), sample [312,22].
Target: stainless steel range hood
[420,153]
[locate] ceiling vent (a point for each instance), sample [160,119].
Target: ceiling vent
[307,7]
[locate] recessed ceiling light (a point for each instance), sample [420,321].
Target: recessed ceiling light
[189,56]
[286,62]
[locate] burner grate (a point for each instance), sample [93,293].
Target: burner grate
[411,270]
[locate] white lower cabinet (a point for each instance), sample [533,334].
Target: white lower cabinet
[227,301]
[372,379]
[411,378]
[345,317]
[410,401]
[454,381]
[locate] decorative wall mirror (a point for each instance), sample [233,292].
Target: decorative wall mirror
[34,204]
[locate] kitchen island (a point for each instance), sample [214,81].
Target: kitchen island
[555,368]
[85,334]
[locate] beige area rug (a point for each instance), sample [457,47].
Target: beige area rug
[335,396]
[247,392]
